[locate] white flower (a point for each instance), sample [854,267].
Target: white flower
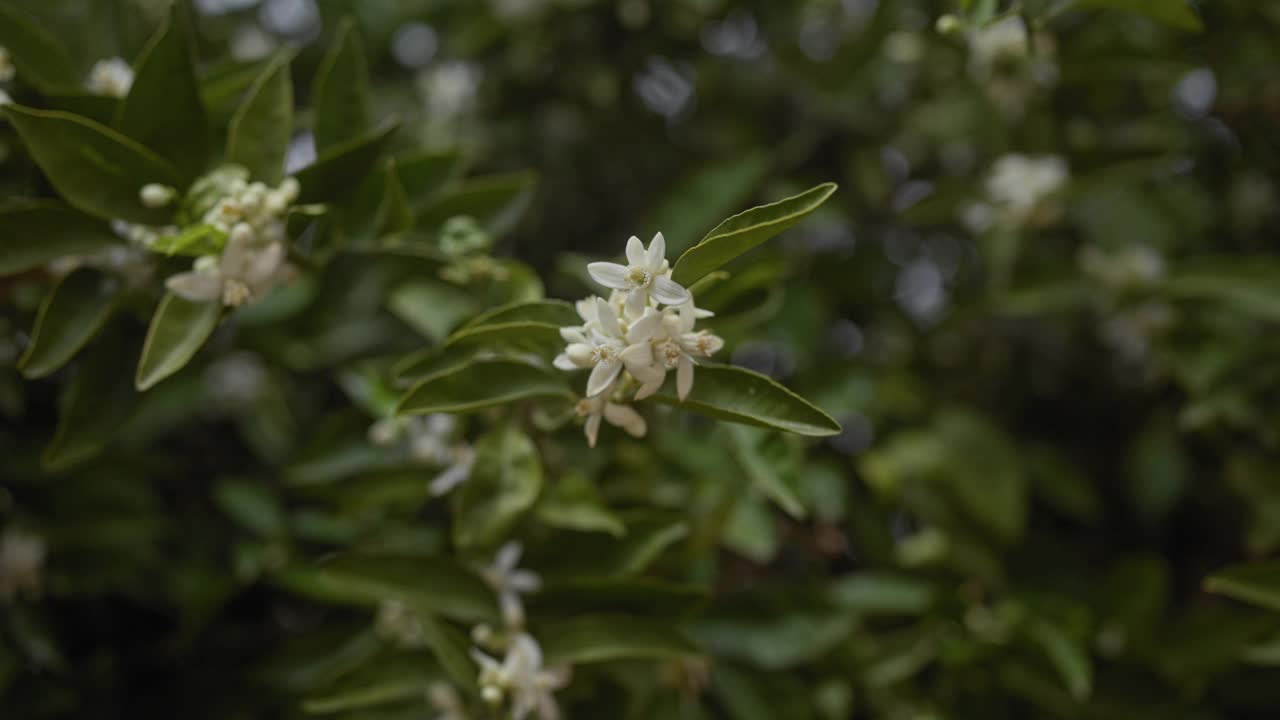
[244,273]
[22,557]
[450,89]
[509,582]
[462,459]
[111,77]
[155,195]
[5,100]
[619,415]
[1019,183]
[606,348]
[7,70]
[398,622]
[676,348]
[446,701]
[522,678]
[646,274]
[1006,39]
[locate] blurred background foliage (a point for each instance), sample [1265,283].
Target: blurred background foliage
[1041,306]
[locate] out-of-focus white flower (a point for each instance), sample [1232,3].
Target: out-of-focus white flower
[1133,267]
[112,77]
[430,441]
[1018,184]
[646,274]
[517,9]
[236,381]
[521,679]
[997,42]
[510,582]
[243,273]
[446,701]
[155,195]
[7,70]
[398,622]
[22,556]
[620,415]
[5,100]
[449,89]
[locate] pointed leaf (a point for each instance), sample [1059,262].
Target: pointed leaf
[32,233]
[96,405]
[1247,285]
[335,174]
[504,484]
[1176,13]
[599,638]
[742,396]
[178,329]
[74,311]
[1256,583]
[451,650]
[164,111]
[495,201]
[38,56]
[425,175]
[482,384]
[745,231]
[554,312]
[340,92]
[93,167]
[258,137]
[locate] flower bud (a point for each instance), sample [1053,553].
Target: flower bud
[948,25]
[155,195]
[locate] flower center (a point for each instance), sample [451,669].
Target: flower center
[707,344]
[637,277]
[670,352]
[604,353]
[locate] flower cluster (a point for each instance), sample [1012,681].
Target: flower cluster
[631,340]
[22,557]
[7,73]
[251,216]
[522,678]
[430,440]
[1018,189]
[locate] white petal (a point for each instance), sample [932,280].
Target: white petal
[635,251]
[586,308]
[684,377]
[644,328]
[563,362]
[592,428]
[636,301]
[608,318]
[525,581]
[451,478]
[580,355]
[637,357]
[512,609]
[195,286]
[610,275]
[688,317]
[603,376]
[625,417]
[264,265]
[650,388]
[669,292]
[657,251]
[572,335]
[507,556]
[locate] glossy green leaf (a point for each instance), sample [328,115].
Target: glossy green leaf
[1177,13]
[703,197]
[164,111]
[553,312]
[439,584]
[762,473]
[38,56]
[259,134]
[178,329]
[482,384]
[541,338]
[424,175]
[1247,285]
[96,405]
[340,91]
[495,201]
[1256,583]
[93,167]
[33,233]
[431,361]
[601,638]
[504,484]
[73,312]
[743,396]
[745,231]
[432,307]
[335,173]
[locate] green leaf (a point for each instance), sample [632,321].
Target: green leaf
[1065,654]
[480,385]
[763,474]
[193,241]
[631,596]
[73,312]
[882,593]
[424,175]
[33,233]
[340,92]
[745,231]
[742,396]
[554,312]
[439,584]
[495,201]
[600,638]
[178,329]
[574,503]
[431,361]
[252,505]
[93,167]
[38,56]
[96,405]
[451,648]
[1256,583]
[432,307]
[258,137]
[164,111]
[336,171]
[504,484]
[649,535]
[1247,285]
[1177,13]
[706,195]
[541,338]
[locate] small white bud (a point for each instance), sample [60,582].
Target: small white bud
[206,264]
[482,634]
[491,694]
[290,189]
[5,99]
[948,25]
[155,195]
[242,234]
